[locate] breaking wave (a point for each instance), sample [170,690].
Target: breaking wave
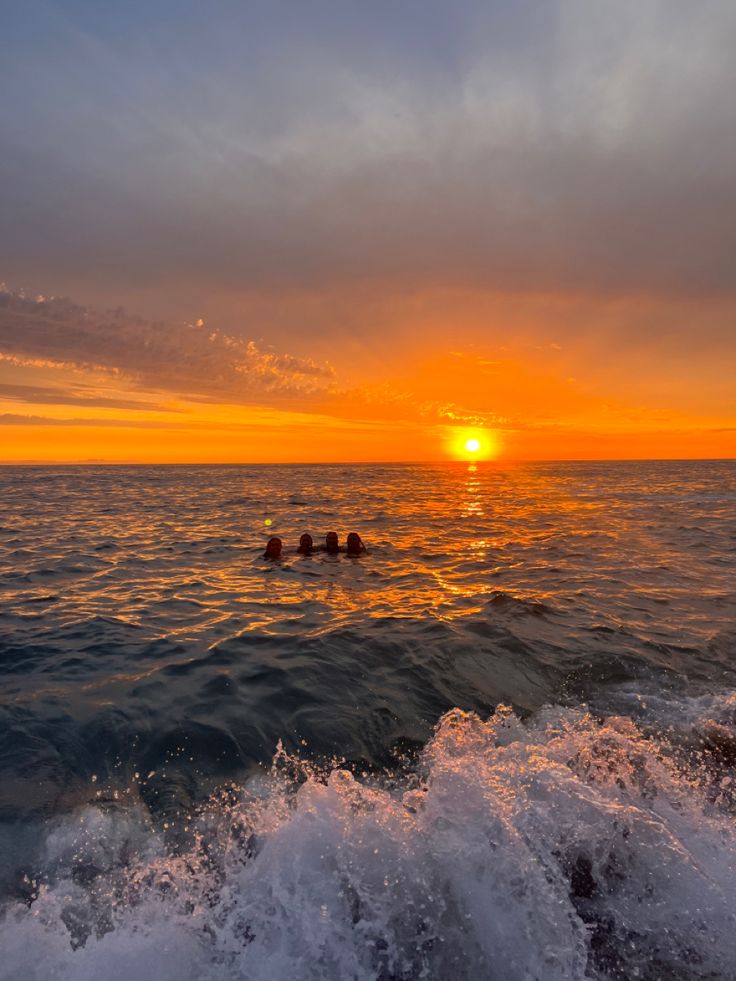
[560,847]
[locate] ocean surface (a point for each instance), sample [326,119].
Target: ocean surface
[501,745]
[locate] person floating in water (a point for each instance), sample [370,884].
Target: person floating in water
[332,544]
[355,544]
[273,549]
[306,544]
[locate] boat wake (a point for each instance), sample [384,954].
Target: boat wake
[560,847]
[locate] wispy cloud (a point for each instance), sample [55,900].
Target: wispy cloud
[19,419]
[87,397]
[180,358]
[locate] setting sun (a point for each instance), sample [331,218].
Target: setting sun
[474,444]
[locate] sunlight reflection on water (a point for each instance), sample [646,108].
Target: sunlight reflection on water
[150,656]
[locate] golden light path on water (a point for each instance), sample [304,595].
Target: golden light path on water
[162,658]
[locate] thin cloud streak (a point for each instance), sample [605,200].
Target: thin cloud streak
[48,395]
[18,419]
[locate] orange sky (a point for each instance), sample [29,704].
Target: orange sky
[333,232]
[219,398]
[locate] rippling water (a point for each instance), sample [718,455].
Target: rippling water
[500,745]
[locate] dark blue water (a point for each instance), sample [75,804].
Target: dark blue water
[212,765]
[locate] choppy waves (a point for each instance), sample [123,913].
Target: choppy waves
[563,847]
[151,662]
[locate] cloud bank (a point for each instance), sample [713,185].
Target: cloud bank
[559,146]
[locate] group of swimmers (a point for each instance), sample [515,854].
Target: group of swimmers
[332,545]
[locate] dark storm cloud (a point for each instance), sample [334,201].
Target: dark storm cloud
[566,145]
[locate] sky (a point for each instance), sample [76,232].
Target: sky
[348,231]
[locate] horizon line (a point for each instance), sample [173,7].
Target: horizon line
[358,463]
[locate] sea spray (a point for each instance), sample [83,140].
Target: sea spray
[561,847]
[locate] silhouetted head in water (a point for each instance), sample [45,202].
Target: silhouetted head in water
[273,549]
[355,545]
[331,543]
[306,545]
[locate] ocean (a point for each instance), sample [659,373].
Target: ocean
[501,744]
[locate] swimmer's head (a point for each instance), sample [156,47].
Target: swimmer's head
[305,543]
[273,549]
[331,541]
[355,545]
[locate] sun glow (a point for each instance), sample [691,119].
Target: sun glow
[473,445]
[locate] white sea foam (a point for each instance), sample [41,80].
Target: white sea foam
[559,848]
